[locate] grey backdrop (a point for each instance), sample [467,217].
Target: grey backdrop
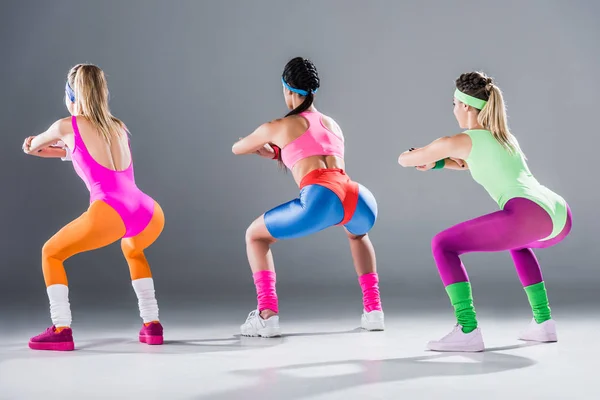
[190,77]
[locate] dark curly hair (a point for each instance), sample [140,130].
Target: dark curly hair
[476,84]
[302,74]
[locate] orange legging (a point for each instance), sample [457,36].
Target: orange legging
[99,226]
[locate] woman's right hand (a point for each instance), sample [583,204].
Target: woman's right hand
[56,150]
[27,144]
[425,167]
[51,152]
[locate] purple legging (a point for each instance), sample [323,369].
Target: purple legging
[518,228]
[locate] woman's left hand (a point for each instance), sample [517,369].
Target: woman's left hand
[461,163]
[27,145]
[266,151]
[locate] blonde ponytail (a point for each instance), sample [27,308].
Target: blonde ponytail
[91,100]
[493,118]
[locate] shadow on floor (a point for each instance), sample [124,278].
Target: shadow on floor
[183,346]
[300,381]
[306,380]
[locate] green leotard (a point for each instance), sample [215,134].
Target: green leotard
[505,176]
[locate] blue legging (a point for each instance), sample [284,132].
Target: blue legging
[318,208]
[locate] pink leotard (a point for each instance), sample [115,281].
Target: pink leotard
[316,141]
[115,188]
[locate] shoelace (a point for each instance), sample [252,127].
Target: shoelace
[456,327]
[251,316]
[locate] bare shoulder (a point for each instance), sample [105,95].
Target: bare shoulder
[294,124]
[64,125]
[461,138]
[459,145]
[274,125]
[271,129]
[332,125]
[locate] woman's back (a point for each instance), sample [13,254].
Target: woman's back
[115,155]
[108,175]
[298,140]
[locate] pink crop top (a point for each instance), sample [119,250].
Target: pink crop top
[316,141]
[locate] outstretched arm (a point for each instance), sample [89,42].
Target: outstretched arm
[455,147]
[258,141]
[51,136]
[448,163]
[457,164]
[52,152]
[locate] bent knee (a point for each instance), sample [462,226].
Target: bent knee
[51,249]
[258,231]
[129,250]
[440,242]
[353,236]
[249,234]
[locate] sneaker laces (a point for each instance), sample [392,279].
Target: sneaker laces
[456,327]
[252,315]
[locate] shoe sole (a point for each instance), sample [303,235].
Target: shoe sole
[466,349]
[373,328]
[550,340]
[152,340]
[60,346]
[264,334]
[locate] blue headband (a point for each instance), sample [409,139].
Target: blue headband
[299,91]
[70,92]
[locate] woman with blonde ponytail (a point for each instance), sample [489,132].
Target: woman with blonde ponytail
[531,215]
[98,145]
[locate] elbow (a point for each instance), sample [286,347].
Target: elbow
[402,161]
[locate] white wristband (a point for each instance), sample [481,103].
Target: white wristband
[67,157]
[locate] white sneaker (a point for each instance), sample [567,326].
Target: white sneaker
[544,332]
[372,321]
[457,340]
[255,325]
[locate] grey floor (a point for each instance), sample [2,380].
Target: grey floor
[322,356]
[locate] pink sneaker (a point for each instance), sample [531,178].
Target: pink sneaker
[52,340]
[152,333]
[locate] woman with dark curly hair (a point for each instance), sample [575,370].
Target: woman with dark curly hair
[311,145]
[531,216]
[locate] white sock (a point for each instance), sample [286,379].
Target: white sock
[60,309]
[144,290]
